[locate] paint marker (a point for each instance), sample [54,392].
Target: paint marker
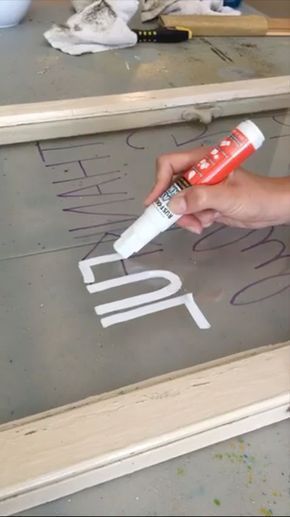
[244,140]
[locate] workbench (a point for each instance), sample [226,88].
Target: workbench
[248,475]
[32,71]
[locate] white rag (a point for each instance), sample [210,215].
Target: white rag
[97,25]
[100,25]
[153,8]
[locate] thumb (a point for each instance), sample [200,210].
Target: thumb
[199,198]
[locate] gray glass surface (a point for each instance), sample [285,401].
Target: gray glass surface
[68,200]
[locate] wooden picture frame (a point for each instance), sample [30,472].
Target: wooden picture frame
[68,449]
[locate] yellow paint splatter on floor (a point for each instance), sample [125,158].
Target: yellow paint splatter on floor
[250,475]
[267,512]
[180,471]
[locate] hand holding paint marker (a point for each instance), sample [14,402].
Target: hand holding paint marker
[210,170]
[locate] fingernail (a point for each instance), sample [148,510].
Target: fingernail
[177,205]
[193,229]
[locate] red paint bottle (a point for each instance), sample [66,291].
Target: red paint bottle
[232,151]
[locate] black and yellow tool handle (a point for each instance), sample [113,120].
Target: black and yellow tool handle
[163,35]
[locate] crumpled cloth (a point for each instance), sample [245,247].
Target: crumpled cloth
[97,26]
[100,25]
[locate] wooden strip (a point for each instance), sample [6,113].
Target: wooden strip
[138,102]
[61,453]
[279,24]
[282,32]
[248,25]
[129,465]
[143,384]
[56,119]
[204,113]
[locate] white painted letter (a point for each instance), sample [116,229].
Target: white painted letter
[185,299]
[148,298]
[172,288]
[86,265]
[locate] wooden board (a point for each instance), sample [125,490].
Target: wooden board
[75,447]
[246,25]
[252,25]
[63,118]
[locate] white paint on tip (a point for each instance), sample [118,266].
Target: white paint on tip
[147,302]
[127,65]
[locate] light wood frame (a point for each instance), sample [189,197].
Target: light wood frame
[89,115]
[69,449]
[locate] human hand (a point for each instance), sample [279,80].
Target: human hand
[243,200]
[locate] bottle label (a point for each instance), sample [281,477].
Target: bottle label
[211,169]
[221,160]
[162,202]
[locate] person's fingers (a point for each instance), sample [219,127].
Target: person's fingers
[190,223]
[197,222]
[207,217]
[200,198]
[169,165]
